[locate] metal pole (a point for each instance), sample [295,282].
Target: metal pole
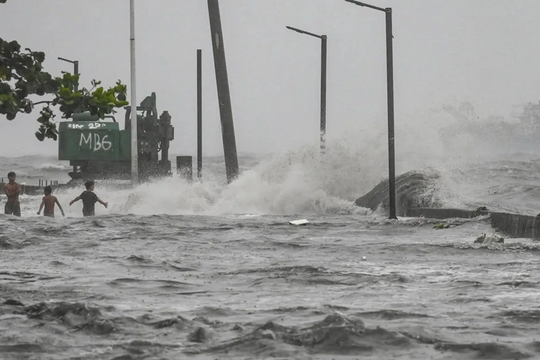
[390,92]
[134,143]
[76,69]
[199,114]
[323,93]
[390,88]
[224,96]
[323,83]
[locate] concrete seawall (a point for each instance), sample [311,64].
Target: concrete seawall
[31,189]
[513,225]
[415,197]
[442,213]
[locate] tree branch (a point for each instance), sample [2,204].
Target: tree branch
[42,102]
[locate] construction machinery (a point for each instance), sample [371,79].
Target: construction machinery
[99,149]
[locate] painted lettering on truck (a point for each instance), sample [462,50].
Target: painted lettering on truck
[90,125]
[94,142]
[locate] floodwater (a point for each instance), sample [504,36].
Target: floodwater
[173,270]
[202,287]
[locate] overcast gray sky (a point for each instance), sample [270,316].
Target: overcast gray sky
[482,51]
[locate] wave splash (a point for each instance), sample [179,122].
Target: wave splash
[298,182]
[438,171]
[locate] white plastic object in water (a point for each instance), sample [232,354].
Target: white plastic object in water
[299,222]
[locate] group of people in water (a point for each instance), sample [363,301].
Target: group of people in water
[13,207]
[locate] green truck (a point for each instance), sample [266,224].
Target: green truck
[101,150]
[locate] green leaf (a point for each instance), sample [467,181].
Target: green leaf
[39,56]
[28,108]
[14,46]
[98,91]
[64,92]
[40,135]
[26,68]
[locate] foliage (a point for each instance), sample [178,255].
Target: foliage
[22,76]
[441,226]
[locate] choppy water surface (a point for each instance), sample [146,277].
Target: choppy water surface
[173,270]
[202,287]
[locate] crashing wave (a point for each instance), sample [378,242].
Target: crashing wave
[413,189]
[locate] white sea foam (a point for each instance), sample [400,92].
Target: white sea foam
[54,167]
[298,182]
[302,181]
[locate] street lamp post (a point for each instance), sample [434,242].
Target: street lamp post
[75,68]
[390,95]
[75,72]
[133,113]
[323,83]
[199,114]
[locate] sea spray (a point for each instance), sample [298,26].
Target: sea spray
[298,182]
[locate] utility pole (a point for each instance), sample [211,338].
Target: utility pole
[224,97]
[134,142]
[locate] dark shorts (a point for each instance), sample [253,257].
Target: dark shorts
[88,211]
[13,209]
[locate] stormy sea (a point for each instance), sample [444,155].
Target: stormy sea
[206,270]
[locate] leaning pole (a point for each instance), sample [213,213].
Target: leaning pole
[224,96]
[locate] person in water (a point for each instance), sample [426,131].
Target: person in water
[12,190]
[89,199]
[48,202]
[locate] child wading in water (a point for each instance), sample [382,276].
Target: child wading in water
[89,199]
[49,201]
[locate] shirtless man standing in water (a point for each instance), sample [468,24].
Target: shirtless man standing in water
[12,190]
